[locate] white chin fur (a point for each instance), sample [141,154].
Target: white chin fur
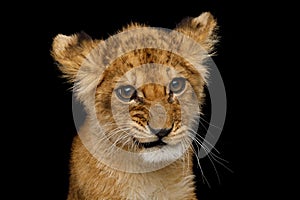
[166,153]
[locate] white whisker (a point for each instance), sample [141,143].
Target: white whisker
[209,123]
[197,135]
[205,180]
[211,155]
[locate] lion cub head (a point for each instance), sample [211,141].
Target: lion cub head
[142,88]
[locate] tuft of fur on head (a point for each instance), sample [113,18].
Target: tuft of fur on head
[70,51]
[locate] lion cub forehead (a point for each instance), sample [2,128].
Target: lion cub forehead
[149,73]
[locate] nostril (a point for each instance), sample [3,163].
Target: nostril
[160,132]
[163,132]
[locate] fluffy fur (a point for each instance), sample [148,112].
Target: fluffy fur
[104,172]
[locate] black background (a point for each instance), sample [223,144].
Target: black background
[43,106]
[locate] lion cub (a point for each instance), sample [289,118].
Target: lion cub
[142,91]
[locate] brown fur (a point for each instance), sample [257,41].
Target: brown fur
[90,178]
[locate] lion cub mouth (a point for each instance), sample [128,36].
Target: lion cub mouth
[160,133]
[158,143]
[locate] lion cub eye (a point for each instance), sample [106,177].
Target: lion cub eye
[126,92]
[177,85]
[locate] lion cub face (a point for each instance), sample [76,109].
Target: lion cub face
[151,108]
[144,99]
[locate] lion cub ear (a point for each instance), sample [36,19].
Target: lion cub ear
[71,51]
[202,29]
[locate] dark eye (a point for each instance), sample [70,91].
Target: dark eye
[125,92]
[177,85]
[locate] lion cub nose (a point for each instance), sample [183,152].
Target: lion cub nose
[160,133]
[159,122]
